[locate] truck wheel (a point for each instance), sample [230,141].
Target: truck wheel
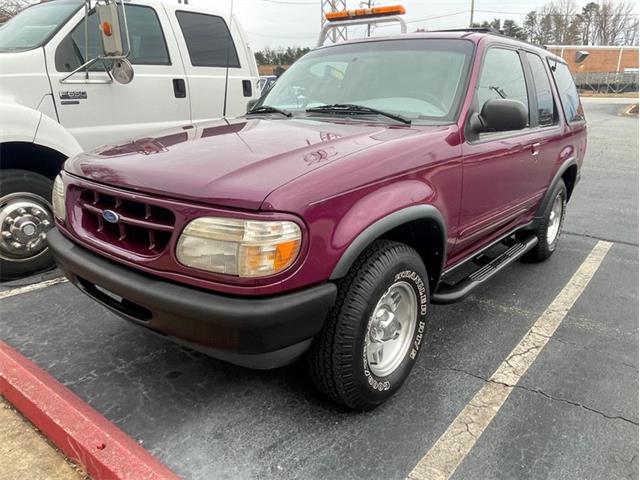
[550,228]
[25,217]
[372,336]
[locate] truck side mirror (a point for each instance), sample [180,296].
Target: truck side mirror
[500,115]
[110,29]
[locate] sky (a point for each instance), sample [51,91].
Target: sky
[283,23]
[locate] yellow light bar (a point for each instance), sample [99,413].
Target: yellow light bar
[365,12]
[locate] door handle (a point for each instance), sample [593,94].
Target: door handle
[535,149]
[179,88]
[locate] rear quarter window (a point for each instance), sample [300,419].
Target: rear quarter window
[568,92]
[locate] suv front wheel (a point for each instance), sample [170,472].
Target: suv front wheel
[373,334]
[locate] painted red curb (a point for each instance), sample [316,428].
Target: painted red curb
[85,436]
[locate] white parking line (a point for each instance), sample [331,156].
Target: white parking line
[31,288]
[442,460]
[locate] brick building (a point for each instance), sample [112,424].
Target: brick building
[601,59]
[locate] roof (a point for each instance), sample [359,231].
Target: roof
[475,35]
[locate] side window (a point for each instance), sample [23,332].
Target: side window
[567,90]
[208,40]
[546,106]
[148,46]
[502,76]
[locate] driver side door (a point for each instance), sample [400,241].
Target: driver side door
[97,113]
[499,169]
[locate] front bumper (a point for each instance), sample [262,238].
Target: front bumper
[254,332]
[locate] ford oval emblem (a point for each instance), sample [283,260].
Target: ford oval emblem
[110,216]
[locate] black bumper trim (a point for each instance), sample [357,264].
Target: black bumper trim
[242,325]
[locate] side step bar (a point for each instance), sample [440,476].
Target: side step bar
[446,293]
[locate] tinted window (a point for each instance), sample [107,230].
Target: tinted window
[502,77]
[546,106]
[568,91]
[208,40]
[148,46]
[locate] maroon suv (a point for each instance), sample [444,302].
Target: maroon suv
[374,178]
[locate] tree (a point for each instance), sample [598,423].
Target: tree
[8,8]
[511,29]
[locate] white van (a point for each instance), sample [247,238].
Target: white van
[189,64]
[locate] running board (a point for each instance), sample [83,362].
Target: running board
[454,293]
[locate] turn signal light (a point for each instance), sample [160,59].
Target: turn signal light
[106,29]
[365,12]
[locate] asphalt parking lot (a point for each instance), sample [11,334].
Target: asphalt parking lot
[573,414]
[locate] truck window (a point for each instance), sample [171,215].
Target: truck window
[148,46]
[568,92]
[35,25]
[208,40]
[502,77]
[547,114]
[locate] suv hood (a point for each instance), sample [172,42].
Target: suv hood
[229,163]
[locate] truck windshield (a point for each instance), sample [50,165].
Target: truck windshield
[33,27]
[422,80]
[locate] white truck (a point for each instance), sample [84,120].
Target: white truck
[65,88]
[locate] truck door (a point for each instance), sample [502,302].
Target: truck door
[97,113]
[501,171]
[209,43]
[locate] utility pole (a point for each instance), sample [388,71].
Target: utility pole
[472,8]
[369,25]
[336,34]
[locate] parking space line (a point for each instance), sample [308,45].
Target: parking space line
[31,288]
[442,460]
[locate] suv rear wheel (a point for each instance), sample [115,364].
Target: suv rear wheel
[373,334]
[550,228]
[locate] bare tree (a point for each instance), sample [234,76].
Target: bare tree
[605,22]
[8,8]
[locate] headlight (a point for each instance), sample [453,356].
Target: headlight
[58,199]
[244,248]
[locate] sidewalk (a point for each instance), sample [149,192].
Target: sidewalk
[25,454]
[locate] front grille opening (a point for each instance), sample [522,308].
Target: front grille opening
[142,228]
[116,302]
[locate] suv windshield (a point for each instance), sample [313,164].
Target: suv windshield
[33,26]
[421,80]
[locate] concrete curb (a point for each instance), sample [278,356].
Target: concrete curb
[80,432]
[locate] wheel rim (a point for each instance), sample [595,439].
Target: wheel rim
[555,220]
[391,328]
[24,220]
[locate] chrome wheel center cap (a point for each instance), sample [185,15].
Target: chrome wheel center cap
[391,327]
[24,221]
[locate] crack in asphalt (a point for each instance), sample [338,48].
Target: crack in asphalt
[544,394]
[596,237]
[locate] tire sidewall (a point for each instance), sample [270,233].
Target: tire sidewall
[377,389]
[562,191]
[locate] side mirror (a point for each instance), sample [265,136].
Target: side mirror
[251,104]
[500,115]
[110,29]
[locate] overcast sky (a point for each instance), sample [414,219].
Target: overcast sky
[282,23]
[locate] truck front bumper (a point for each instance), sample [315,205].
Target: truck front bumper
[264,332]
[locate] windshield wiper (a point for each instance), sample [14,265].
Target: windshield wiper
[354,109]
[268,109]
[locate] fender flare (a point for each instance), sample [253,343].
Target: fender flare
[384,225]
[27,125]
[556,178]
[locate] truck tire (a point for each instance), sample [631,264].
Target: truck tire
[550,228]
[372,336]
[25,217]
